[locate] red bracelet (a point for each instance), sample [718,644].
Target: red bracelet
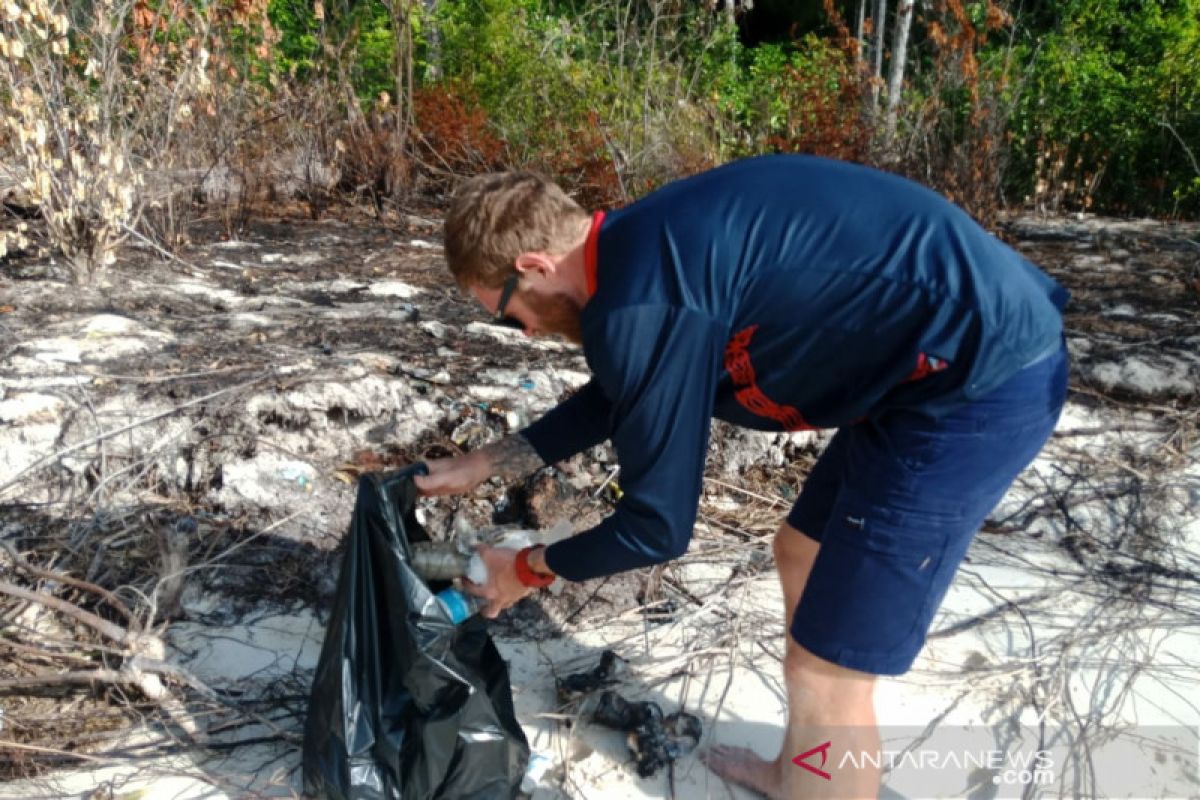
[525,573]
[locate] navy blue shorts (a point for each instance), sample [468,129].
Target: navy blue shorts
[895,502]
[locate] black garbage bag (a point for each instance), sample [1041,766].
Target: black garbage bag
[405,704]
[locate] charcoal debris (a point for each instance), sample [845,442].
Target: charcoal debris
[604,674]
[655,740]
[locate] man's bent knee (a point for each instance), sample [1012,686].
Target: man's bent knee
[792,545]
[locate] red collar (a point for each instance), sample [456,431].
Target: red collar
[589,252]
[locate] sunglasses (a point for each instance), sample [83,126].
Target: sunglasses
[506,293]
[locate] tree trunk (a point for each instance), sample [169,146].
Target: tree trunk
[879,22]
[433,42]
[904,15]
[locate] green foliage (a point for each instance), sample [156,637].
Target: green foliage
[1107,86]
[299,45]
[1098,99]
[354,39]
[572,87]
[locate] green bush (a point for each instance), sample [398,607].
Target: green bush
[1112,100]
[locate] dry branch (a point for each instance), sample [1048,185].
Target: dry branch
[49,575]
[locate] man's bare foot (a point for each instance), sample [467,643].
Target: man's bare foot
[744,767]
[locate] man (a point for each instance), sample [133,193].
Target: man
[780,293]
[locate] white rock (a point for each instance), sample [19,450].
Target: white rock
[393,289]
[1135,374]
[1122,310]
[489,393]
[483,330]
[251,320]
[111,325]
[98,338]
[31,407]
[304,259]
[434,328]
[206,291]
[45,382]
[66,351]
[22,445]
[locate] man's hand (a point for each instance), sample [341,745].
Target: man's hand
[454,475]
[511,457]
[502,588]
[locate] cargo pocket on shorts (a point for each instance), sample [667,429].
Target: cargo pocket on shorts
[871,588]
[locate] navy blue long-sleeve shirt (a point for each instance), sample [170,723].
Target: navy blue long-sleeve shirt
[779,293]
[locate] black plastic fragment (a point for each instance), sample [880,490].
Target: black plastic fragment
[656,741]
[580,683]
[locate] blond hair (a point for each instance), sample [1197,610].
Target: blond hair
[494,218]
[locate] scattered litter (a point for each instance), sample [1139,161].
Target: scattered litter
[409,312]
[298,474]
[539,764]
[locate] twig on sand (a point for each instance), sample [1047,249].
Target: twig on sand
[772,500]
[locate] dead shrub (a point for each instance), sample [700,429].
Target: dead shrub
[956,130]
[373,158]
[453,136]
[824,98]
[579,156]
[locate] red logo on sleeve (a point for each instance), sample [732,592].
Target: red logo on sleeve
[741,371]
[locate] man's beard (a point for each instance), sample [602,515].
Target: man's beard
[557,314]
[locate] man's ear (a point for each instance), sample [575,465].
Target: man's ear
[535,263]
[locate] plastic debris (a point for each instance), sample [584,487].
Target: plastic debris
[655,741]
[539,764]
[604,674]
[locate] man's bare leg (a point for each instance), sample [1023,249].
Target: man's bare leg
[821,696]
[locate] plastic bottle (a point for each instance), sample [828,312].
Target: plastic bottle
[459,605]
[445,561]
[441,561]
